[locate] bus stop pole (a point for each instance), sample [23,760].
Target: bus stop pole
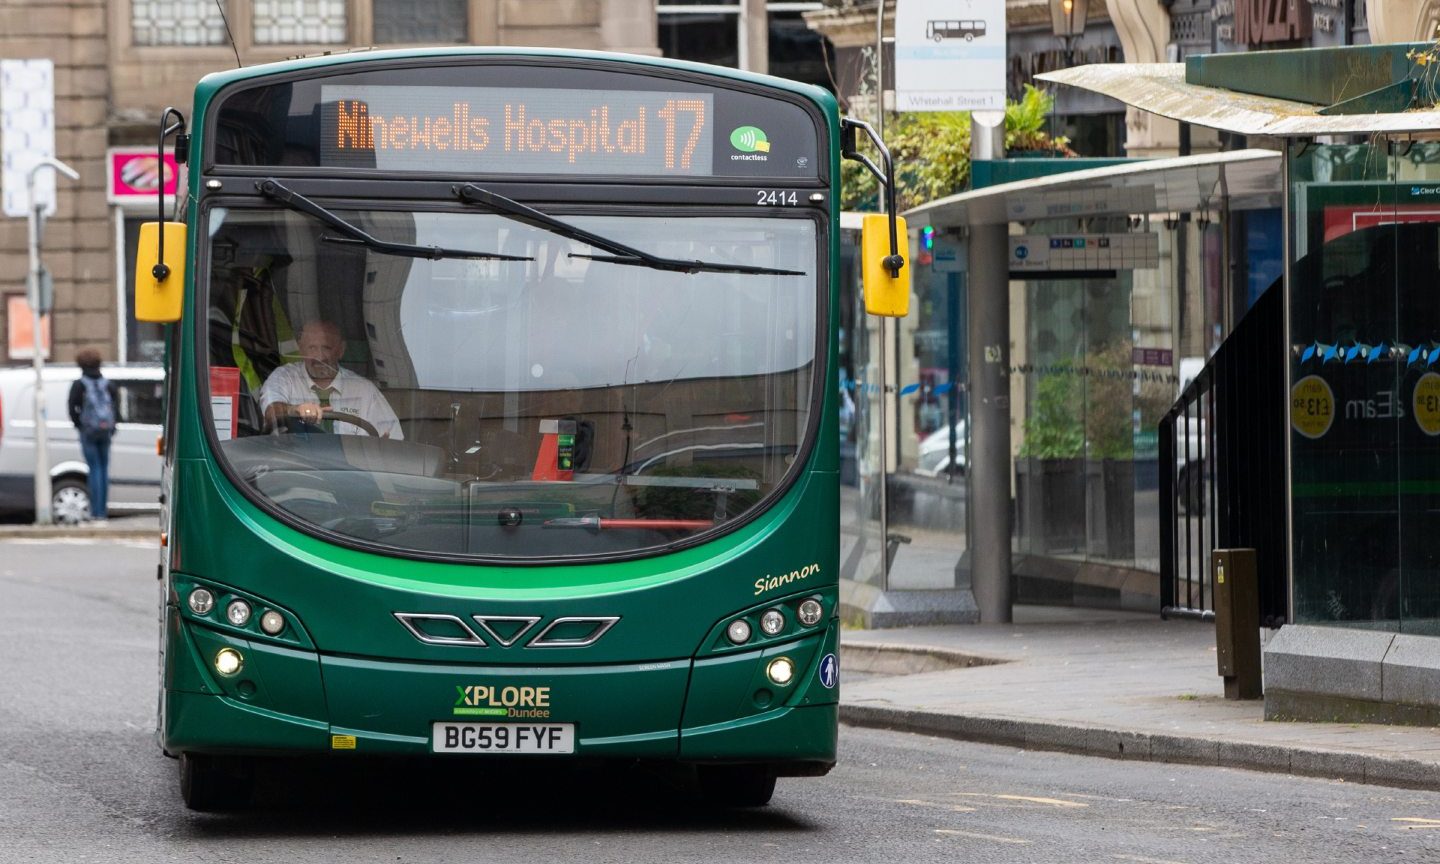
[43,516]
[988,344]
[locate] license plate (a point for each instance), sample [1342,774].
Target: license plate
[503,738]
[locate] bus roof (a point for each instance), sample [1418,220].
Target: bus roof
[213,82]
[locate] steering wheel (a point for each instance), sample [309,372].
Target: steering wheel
[293,422]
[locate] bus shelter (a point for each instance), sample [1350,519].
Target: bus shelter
[1357,349]
[1078,295]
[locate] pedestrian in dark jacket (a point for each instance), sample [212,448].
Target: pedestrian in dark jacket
[92,404]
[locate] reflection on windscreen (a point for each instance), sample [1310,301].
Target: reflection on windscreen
[558,406]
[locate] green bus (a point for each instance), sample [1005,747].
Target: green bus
[501,416]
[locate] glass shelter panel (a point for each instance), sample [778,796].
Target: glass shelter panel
[1365,385]
[927,491]
[1076,469]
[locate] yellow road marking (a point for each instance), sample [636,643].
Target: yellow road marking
[971,834]
[1417,821]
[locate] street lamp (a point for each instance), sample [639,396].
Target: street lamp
[1067,20]
[38,298]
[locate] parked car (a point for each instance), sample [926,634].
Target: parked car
[934,458]
[134,461]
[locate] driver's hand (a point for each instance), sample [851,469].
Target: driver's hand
[310,412]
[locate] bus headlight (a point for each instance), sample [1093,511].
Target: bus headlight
[272,622]
[201,601]
[781,670]
[738,631]
[809,612]
[772,622]
[238,612]
[228,661]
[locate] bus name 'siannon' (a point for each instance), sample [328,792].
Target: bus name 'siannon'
[770,583]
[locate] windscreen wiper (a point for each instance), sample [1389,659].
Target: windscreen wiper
[300,204]
[620,253]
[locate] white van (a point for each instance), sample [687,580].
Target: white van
[134,461]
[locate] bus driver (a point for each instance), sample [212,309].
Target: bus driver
[305,389]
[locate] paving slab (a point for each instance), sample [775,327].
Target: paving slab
[1121,685]
[145,526]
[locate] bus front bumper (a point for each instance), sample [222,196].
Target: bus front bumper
[721,709]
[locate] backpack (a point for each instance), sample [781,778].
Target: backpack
[97,412]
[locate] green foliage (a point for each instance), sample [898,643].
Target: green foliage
[1055,428]
[1084,411]
[1109,403]
[932,151]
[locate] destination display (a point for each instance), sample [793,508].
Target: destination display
[519,130]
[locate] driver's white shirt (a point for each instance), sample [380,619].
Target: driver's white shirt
[350,394]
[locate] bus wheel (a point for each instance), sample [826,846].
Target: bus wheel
[737,785]
[211,784]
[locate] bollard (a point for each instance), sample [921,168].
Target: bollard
[1237,622]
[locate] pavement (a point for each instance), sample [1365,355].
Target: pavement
[1105,683]
[1122,685]
[139,526]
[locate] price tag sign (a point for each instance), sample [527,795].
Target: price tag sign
[1427,403]
[1312,406]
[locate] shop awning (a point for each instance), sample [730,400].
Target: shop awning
[1249,179]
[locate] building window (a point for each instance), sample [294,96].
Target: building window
[710,31]
[299,22]
[409,22]
[176,22]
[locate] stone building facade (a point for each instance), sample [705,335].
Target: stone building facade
[119,63]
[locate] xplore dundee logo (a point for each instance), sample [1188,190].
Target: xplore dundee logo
[750,139]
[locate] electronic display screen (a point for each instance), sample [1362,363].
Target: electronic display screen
[517,131]
[505,116]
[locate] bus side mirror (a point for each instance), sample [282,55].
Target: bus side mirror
[160,285]
[887,294]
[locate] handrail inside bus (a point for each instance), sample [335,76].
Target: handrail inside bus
[622,254]
[300,204]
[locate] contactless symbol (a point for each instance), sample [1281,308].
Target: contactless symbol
[829,671]
[750,139]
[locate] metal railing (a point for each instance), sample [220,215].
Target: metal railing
[1222,469]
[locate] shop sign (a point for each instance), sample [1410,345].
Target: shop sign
[1427,403]
[1261,22]
[1312,406]
[20,329]
[134,174]
[1152,357]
